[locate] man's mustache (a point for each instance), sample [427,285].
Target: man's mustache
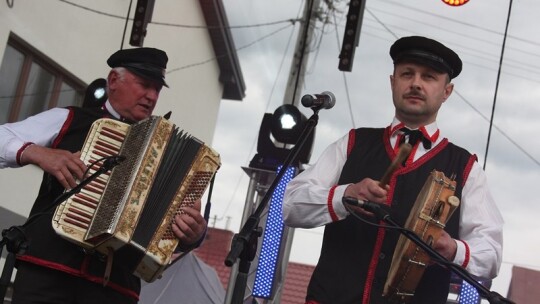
[414,94]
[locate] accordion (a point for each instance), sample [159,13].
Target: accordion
[132,206]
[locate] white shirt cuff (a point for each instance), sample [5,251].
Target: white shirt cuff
[461,254]
[337,203]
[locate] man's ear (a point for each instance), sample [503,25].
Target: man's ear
[448,89]
[112,79]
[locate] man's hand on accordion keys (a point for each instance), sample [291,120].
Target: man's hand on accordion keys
[66,166]
[189,226]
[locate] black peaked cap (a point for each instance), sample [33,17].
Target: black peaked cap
[426,51]
[149,63]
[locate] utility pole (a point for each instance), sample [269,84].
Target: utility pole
[301,53]
[259,181]
[292,94]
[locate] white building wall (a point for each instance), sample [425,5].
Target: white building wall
[80,40]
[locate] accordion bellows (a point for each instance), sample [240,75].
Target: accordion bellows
[132,207]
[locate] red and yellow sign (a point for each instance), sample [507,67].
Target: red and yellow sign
[455,2]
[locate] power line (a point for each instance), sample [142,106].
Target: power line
[473,63]
[182,25]
[303,48]
[318,45]
[229,27]
[525,65]
[92,10]
[499,129]
[179,68]
[126,25]
[294,20]
[460,33]
[267,107]
[497,82]
[416,9]
[224,55]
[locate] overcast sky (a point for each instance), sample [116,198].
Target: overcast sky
[475,31]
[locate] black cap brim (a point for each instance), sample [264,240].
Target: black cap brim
[427,52]
[149,63]
[148,74]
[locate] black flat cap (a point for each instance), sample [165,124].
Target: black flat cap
[428,52]
[149,63]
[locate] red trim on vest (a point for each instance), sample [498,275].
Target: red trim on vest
[424,158]
[410,164]
[468,168]
[467,254]
[386,142]
[410,159]
[392,153]
[85,263]
[64,129]
[350,144]
[20,152]
[381,232]
[330,205]
[398,140]
[395,128]
[312,302]
[78,273]
[373,266]
[433,138]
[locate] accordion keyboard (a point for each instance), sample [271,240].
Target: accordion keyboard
[102,141]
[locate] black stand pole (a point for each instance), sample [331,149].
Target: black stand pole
[244,243]
[15,241]
[381,213]
[14,238]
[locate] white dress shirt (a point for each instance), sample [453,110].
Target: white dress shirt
[40,129]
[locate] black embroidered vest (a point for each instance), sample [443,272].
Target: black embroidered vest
[355,256]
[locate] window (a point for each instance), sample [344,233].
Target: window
[32,83]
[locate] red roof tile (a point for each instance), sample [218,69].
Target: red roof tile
[524,285]
[214,251]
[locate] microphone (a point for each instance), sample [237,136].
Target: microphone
[325,100]
[366,205]
[113,161]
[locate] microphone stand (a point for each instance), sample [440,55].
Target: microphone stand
[244,243]
[14,238]
[381,213]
